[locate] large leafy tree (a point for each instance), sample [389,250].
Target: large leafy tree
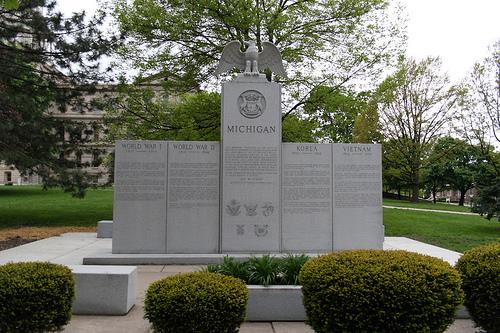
[139,112]
[46,62]
[453,163]
[416,104]
[323,42]
[335,112]
[482,127]
[367,125]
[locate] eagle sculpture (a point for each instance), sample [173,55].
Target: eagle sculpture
[251,60]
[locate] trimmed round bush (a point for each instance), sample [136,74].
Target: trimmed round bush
[196,302]
[35,297]
[480,271]
[379,291]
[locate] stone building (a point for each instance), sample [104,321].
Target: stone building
[91,154]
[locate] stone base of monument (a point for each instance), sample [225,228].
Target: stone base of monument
[172,259]
[104,290]
[105,229]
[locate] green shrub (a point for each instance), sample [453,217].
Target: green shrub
[35,297]
[480,271]
[379,291]
[196,302]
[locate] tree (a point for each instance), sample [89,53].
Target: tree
[298,129]
[484,85]
[46,61]
[482,125]
[323,42]
[454,162]
[335,111]
[141,112]
[367,125]
[394,173]
[9,4]
[415,104]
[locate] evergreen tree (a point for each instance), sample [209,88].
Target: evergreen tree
[46,62]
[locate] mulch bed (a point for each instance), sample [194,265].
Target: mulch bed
[15,241]
[13,237]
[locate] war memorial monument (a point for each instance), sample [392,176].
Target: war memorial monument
[249,193]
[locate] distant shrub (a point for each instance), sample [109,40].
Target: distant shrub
[200,302]
[379,291]
[480,271]
[264,270]
[35,297]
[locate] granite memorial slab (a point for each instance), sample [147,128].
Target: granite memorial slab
[357,196]
[193,197]
[139,210]
[307,197]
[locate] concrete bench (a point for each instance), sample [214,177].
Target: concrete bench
[104,290]
[105,229]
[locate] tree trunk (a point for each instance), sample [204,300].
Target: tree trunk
[462,198]
[399,193]
[434,195]
[414,192]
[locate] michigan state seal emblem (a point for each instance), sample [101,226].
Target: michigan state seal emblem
[251,104]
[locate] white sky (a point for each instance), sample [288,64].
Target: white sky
[459,31]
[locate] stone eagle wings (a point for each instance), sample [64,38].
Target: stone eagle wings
[251,60]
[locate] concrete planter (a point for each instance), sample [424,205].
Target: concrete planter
[275,303]
[284,303]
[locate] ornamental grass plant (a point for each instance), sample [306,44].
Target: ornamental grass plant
[264,270]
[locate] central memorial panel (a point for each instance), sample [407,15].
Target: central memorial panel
[251,161]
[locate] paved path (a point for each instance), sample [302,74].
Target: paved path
[431,210]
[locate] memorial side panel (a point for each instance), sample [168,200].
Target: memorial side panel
[251,158]
[307,197]
[193,197]
[357,196]
[139,210]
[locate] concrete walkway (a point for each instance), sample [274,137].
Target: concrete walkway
[430,210]
[70,249]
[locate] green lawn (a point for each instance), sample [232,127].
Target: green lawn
[426,205]
[32,206]
[452,231]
